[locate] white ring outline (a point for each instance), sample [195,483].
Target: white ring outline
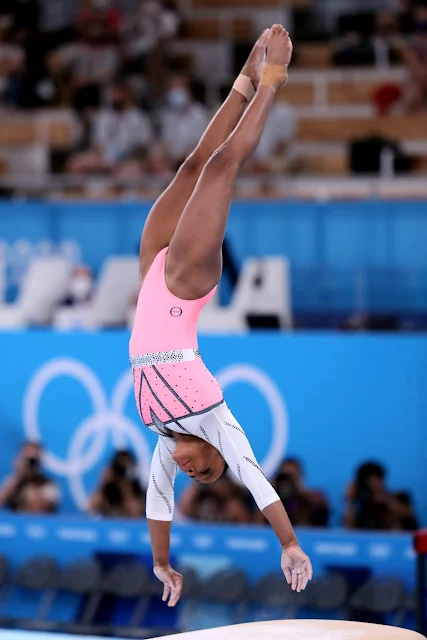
[89,381]
[106,422]
[277,405]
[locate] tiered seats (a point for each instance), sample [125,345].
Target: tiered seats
[336,129]
[214,29]
[254,4]
[23,130]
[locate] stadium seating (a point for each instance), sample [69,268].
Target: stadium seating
[43,288]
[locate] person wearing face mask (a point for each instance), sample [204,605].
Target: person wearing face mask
[120,493]
[182,119]
[28,489]
[80,288]
[120,132]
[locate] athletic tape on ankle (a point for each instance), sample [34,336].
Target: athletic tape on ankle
[274,76]
[244,85]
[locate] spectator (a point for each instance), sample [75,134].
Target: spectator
[182,120]
[80,288]
[371,506]
[223,501]
[120,133]
[103,16]
[120,493]
[306,507]
[145,35]
[414,55]
[85,66]
[12,67]
[28,489]
[274,148]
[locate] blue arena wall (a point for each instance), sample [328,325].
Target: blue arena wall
[333,400]
[343,255]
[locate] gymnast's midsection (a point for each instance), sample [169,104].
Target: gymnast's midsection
[181,265]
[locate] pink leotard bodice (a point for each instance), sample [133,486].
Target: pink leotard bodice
[165,323]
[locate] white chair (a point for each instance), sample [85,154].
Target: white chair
[118,282]
[43,287]
[263,288]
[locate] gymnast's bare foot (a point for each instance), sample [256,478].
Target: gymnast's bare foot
[255,62]
[279,52]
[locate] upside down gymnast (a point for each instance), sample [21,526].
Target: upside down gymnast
[180,266]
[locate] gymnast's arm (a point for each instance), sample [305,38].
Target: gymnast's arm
[236,450]
[160,505]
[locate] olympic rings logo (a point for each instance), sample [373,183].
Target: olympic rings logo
[108,418]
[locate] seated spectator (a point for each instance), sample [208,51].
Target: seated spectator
[182,120]
[273,151]
[145,30]
[80,288]
[28,489]
[120,493]
[223,501]
[103,16]
[414,55]
[369,504]
[12,67]
[305,507]
[120,133]
[83,67]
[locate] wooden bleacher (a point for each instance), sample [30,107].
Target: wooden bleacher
[253,4]
[214,29]
[19,131]
[313,55]
[344,129]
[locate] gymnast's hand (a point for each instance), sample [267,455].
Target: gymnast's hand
[296,566]
[173,582]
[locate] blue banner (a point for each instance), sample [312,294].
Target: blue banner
[207,547]
[334,401]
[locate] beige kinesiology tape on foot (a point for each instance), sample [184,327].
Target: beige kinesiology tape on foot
[274,76]
[243,85]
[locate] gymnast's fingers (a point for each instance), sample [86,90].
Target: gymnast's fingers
[304,582]
[288,575]
[166,592]
[294,579]
[176,591]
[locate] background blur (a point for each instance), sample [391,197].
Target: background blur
[316,335]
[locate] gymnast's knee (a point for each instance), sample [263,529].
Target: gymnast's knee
[225,159]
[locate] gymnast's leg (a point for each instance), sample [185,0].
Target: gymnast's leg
[166,212]
[194,262]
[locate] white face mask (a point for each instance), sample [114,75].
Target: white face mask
[81,287]
[178,98]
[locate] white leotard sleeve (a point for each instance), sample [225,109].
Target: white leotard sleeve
[226,434]
[160,492]
[221,429]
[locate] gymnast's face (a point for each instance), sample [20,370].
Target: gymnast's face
[198,459]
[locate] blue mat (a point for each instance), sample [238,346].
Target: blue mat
[32,635]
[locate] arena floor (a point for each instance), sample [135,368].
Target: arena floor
[281,630]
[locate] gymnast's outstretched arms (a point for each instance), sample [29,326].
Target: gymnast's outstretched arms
[221,429]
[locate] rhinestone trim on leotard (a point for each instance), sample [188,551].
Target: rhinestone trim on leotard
[164,357]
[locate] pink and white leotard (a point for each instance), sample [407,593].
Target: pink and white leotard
[175,392]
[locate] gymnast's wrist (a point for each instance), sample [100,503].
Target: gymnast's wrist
[293,542]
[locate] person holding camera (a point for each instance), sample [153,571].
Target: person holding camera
[306,507]
[370,505]
[28,489]
[120,493]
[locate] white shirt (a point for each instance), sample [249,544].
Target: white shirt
[181,130]
[119,134]
[95,63]
[280,129]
